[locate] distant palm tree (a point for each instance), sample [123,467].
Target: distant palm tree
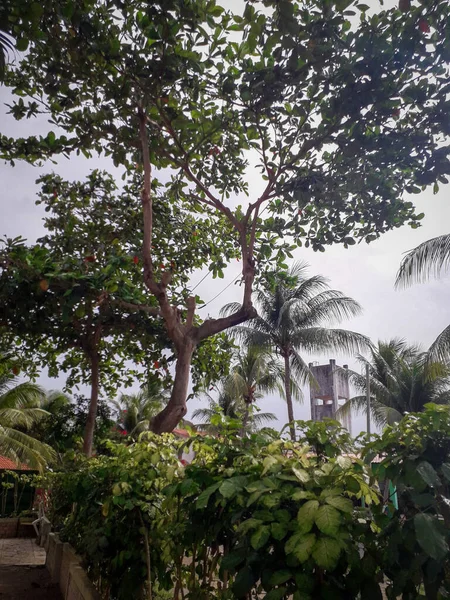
[427,260]
[253,374]
[402,379]
[19,411]
[136,411]
[292,318]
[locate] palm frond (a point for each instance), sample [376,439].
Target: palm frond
[439,350]
[320,339]
[427,260]
[22,448]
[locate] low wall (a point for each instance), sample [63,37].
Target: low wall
[8,528]
[65,569]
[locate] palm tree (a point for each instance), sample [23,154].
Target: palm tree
[427,260]
[292,318]
[253,373]
[19,411]
[136,411]
[402,379]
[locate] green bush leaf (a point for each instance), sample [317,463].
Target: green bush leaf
[279,530]
[446,471]
[301,474]
[328,520]
[203,498]
[326,552]
[300,545]
[307,514]
[280,577]
[277,594]
[243,582]
[428,474]
[343,504]
[260,537]
[429,536]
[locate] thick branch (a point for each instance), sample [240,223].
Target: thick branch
[212,326]
[190,312]
[147,202]
[151,310]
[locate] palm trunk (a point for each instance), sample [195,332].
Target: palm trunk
[92,413]
[287,390]
[171,415]
[245,418]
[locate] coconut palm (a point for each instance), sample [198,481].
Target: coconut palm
[293,317]
[402,379]
[136,411]
[253,373]
[427,260]
[19,411]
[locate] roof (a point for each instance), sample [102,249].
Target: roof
[10,465]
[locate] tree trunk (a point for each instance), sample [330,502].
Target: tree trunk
[171,415]
[245,419]
[92,413]
[287,389]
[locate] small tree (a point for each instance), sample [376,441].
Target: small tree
[344,117]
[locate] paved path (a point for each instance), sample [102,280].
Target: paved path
[23,575]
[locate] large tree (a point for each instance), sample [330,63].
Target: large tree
[403,379]
[344,117]
[293,317]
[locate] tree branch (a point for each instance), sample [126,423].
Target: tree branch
[213,326]
[151,310]
[147,202]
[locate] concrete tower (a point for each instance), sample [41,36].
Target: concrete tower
[332,392]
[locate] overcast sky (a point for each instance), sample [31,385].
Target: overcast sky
[364,272]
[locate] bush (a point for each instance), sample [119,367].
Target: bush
[269,519]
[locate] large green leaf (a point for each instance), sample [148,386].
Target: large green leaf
[430,536]
[277,594]
[280,577]
[243,582]
[202,500]
[301,474]
[428,474]
[446,471]
[279,530]
[230,487]
[300,545]
[328,520]
[260,537]
[326,552]
[343,504]
[307,514]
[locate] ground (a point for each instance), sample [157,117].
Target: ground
[23,575]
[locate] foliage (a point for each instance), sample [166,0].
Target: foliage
[17,493]
[402,379]
[134,412]
[344,116]
[293,315]
[19,412]
[64,426]
[416,458]
[253,515]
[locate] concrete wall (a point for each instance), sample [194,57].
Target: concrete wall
[8,528]
[64,566]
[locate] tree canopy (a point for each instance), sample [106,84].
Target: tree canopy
[344,116]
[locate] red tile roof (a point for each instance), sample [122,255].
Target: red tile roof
[10,465]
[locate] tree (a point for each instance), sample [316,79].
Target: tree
[19,411]
[427,260]
[403,379]
[292,318]
[73,300]
[344,117]
[136,411]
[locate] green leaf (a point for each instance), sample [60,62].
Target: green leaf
[22,44]
[343,504]
[428,474]
[268,462]
[326,552]
[429,536]
[446,471]
[280,577]
[260,537]
[307,514]
[303,495]
[243,582]
[230,487]
[202,500]
[279,530]
[301,474]
[328,520]
[300,545]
